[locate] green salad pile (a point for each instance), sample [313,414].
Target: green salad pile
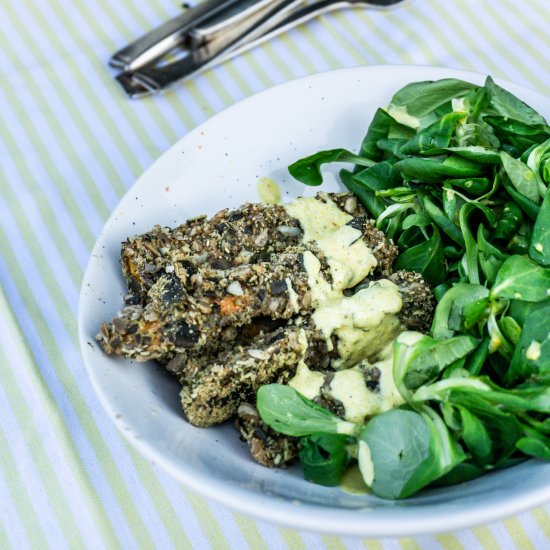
[458,175]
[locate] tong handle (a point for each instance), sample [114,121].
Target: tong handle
[302,14]
[151,80]
[247,34]
[159,41]
[222,22]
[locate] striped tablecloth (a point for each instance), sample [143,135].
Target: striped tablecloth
[70,145]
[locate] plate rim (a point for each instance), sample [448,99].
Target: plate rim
[314,517]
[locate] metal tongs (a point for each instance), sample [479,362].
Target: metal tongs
[212,32]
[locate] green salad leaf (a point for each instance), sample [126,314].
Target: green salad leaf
[434,169]
[324,457]
[308,170]
[508,105]
[420,360]
[289,412]
[420,100]
[451,313]
[409,450]
[426,258]
[521,176]
[458,175]
[532,353]
[522,279]
[539,247]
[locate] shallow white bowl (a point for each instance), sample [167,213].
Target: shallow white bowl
[217,166]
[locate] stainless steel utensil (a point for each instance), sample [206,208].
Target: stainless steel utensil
[305,13]
[177,31]
[149,80]
[212,41]
[223,21]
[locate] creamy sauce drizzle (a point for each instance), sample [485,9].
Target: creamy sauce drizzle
[533,351]
[365,324]
[348,256]
[268,191]
[359,402]
[317,217]
[321,290]
[348,386]
[366,467]
[388,396]
[352,482]
[306,381]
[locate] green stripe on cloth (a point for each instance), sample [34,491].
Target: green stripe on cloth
[475,27]
[518,534]
[450,542]
[409,544]
[56,357]
[542,517]
[276,59]
[42,102]
[59,500]
[373,545]
[334,543]
[347,42]
[19,494]
[288,42]
[486,538]
[292,539]
[365,28]
[210,526]
[4,540]
[251,533]
[18,155]
[519,43]
[164,507]
[82,81]
[45,209]
[258,70]
[94,23]
[317,44]
[452,48]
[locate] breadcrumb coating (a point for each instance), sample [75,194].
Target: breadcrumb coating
[248,234]
[225,304]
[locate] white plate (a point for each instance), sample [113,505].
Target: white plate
[217,166]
